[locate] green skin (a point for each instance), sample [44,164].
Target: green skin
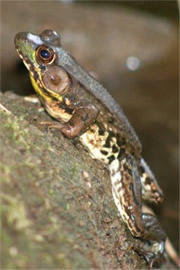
[83,108]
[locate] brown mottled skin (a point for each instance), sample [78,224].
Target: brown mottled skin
[83,108]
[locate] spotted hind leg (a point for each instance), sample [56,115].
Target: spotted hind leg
[126,190]
[150,189]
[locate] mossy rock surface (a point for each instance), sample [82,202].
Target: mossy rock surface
[57,210]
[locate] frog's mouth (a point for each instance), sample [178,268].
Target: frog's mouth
[26,61]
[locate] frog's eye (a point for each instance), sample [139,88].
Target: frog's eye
[45,55]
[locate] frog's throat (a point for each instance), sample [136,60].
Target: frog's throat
[47,94]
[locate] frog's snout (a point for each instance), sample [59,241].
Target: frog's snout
[20,37]
[27,38]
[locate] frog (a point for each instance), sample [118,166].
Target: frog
[84,110]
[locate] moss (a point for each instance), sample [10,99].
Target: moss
[14,212]
[14,129]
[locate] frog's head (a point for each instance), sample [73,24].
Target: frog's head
[39,54]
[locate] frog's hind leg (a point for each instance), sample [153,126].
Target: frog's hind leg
[126,190]
[150,189]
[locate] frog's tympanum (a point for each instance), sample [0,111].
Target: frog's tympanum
[83,108]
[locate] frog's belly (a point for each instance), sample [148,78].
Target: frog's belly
[97,145]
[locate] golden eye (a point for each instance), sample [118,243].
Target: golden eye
[45,55]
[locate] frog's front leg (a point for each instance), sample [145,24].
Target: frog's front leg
[81,118]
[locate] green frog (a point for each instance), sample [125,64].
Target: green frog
[85,110]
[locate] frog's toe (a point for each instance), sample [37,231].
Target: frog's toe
[155,257]
[152,252]
[158,197]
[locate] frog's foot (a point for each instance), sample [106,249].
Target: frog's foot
[68,129]
[80,120]
[152,252]
[153,242]
[150,189]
